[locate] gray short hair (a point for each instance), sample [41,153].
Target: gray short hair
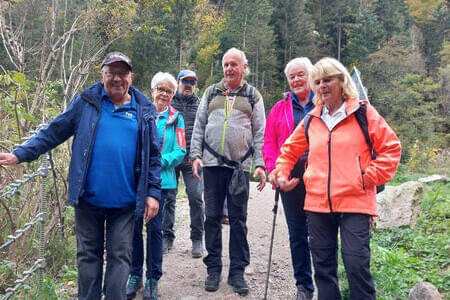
[242,54]
[299,61]
[163,76]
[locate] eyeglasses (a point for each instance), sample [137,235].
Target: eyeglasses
[121,74]
[162,90]
[188,81]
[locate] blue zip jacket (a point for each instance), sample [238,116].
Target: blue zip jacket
[80,120]
[173,145]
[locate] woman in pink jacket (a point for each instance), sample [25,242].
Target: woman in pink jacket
[285,115]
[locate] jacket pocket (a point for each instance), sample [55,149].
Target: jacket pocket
[361,172]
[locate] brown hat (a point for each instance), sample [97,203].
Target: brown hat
[116,56]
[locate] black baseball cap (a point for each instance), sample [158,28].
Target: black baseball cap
[116,56]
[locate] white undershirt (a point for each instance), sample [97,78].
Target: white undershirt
[333,120]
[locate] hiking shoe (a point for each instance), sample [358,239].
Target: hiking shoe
[151,290]
[167,245]
[197,249]
[134,284]
[304,294]
[212,282]
[238,283]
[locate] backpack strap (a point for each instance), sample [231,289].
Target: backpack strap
[361,117]
[212,94]
[222,159]
[250,94]
[307,120]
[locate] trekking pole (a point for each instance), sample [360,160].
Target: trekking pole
[275,209]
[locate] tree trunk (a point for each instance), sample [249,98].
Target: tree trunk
[339,39]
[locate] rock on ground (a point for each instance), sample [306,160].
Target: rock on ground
[399,205]
[424,291]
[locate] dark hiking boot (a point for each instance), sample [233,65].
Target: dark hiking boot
[151,290]
[167,245]
[197,249]
[212,282]
[304,294]
[134,284]
[238,283]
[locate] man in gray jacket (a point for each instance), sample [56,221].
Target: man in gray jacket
[229,129]
[186,102]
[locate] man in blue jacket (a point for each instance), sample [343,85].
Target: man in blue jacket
[114,172]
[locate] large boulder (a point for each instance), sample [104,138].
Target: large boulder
[424,291]
[399,205]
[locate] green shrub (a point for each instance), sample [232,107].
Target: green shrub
[402,257]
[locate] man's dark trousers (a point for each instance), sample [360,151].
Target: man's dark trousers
[90,232]
[216,181]
[293,202]
[196,206]
[355,238]
[154,254]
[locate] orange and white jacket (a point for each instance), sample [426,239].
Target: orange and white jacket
[341,175]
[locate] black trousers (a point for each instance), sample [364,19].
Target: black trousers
[216,181]
[93,227]
[355,237]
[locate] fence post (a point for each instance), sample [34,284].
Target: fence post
[43,210]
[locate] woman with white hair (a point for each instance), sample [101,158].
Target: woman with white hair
[285,115]
[341,177]
[170,126]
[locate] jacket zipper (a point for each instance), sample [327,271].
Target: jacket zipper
[88,153]
[329,171]
[227,113]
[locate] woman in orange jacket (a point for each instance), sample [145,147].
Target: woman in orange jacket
[340,179]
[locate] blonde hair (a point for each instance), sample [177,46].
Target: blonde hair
[330,67]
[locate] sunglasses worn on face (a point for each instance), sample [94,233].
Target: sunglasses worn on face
[162,90]
[121,74]
[188,81]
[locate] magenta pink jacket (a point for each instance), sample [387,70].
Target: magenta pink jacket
[279,126]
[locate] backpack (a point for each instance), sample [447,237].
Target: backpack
[361,117]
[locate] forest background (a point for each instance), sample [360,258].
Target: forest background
[50,50]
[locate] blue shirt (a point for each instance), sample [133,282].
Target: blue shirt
[299,110]
[111,178]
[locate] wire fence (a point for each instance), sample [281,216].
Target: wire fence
[9,191]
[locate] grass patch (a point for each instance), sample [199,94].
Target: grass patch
[402,257]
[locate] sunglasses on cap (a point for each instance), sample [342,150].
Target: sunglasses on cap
[188,81]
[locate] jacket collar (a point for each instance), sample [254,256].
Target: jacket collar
[352,105]
[221,87]
[93,95]
[188,99]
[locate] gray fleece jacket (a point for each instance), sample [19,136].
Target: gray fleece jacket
[229,127]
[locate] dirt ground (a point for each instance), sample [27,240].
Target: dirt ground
[184,276]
